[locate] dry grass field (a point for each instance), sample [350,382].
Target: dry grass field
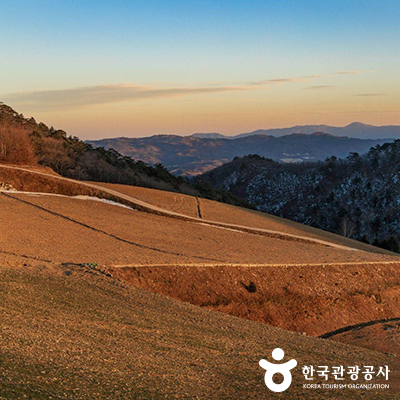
[102,300]
[70,332]
[77,230]
[225,213]
[305,298]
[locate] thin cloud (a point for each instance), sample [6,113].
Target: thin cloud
[321,87]
[369,94]
[307,78]
[274,81]
[351,72]
[338,73]
[104,94]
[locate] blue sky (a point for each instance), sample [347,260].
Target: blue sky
[64,46]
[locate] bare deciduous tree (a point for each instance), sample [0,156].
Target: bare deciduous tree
[16,146]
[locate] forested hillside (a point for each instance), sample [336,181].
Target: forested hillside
[358,197]
[24,141]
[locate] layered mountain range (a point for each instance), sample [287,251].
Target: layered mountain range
[196,154]
[355,130]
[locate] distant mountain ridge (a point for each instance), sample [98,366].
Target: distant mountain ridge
[211,136]
[354,130]
[191,155]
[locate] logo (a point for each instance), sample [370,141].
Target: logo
[271,369]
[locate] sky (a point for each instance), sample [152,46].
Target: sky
[102,69]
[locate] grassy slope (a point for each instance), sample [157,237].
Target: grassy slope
[66,229]
[68,331]
[311,298]
[71,332]
[234,215]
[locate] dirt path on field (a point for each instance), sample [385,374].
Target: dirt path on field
[146,207]
[199,208]
[175,265]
